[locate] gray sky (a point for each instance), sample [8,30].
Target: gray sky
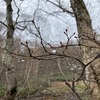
[52,25]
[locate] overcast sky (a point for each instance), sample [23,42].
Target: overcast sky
[52,25]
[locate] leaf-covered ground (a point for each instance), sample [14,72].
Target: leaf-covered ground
[56,91]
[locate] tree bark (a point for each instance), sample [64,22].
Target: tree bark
[11,86]
[85,33]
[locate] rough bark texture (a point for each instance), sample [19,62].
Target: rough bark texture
[85,32]
[7,58]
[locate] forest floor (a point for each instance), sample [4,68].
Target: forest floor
[56,91]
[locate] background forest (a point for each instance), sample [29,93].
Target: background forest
[49,50]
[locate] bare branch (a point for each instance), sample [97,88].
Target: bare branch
[3,24]
[59,6]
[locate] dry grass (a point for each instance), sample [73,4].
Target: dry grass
[59,88]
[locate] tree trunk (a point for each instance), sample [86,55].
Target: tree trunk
[8,63]
[85,33]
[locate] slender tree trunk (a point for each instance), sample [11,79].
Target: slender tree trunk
[37,68]
[85,32]
[7,58]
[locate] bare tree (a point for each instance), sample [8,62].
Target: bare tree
[8,63]
[86,37]
[86,42]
